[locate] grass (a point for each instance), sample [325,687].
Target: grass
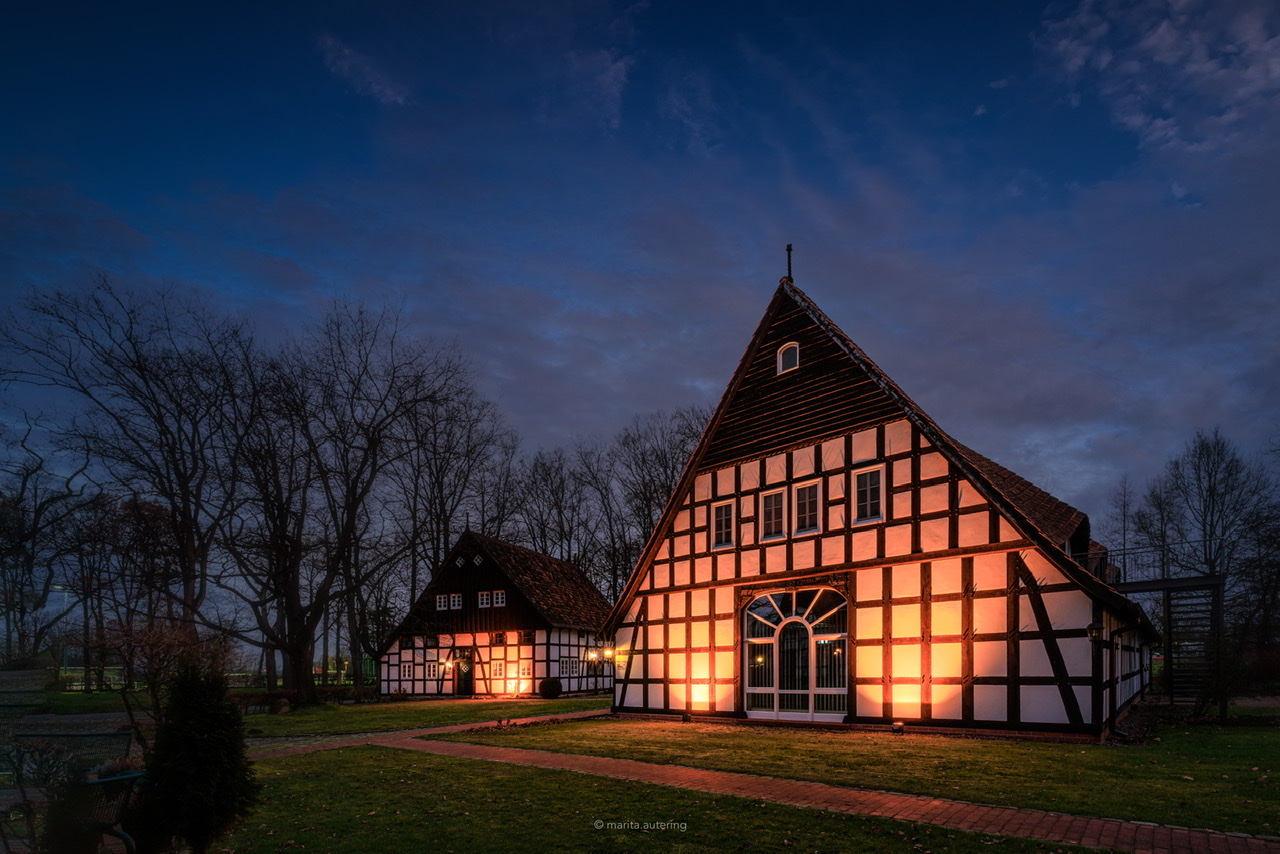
[381,799]
[385,717]
[1207,776]
[80,703]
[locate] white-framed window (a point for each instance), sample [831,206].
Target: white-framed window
[442,602]
[499,598]
[406,670]
[722,525]
[570,667]
[432,670]
[868,495]
[788,357]
[773,515]
[485,598]
[455,601]
[526,669]
[806,508]
[498,669]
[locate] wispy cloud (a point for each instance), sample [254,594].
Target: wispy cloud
[600,79]
[361,72]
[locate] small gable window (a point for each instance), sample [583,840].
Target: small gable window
[484,599]
[442,602]
[788,357]
[499,598]
[455,601]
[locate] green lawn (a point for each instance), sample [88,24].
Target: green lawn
[80,703]
[381,799]
[384,717]
[1223,778]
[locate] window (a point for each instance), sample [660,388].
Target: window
[499,598]
[526,669]
[498,669]
[570,667]
[408,642]
[442,602]
[406,670]
[867,494]
[526,637]
[455,601]
[433,670]
[771,524]
[795,654]
[722,526]
[788,357]
[484,599]
[498,639]
[806,508]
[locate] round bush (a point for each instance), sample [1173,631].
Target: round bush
[550,688]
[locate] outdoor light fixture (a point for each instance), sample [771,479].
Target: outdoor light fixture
[608,652]
[592,655]
[898,728]
[1094,631]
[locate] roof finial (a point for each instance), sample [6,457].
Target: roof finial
[788,279]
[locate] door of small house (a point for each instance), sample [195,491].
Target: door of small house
[464,673]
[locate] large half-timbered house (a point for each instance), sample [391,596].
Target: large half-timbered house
[498,619]
[832,555]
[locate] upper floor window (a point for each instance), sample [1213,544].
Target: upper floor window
[485,598]
[498,639]
[806,503]
[442,602]
[788,357]
[455,601]
[526,636]
[772,522]
[868,493]
[499,598]
[722,525]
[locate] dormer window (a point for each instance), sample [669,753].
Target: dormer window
[788,357]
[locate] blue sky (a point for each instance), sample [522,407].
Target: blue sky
[1054,225]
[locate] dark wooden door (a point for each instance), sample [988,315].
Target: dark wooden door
[464,673]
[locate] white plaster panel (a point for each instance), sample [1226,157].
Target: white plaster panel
[654,639]
[906,621]
[724,482]
[676,635]
[678,693]
[948,702]
[631,695]
[726,566]
[701,696]
[802,556]
[990,658]
[1041,569]
[869,584]
[901,472]
[1084,700]
[906,661]
[655,696]
[749,562]
[832,550]
[680,545]
[945,619]
[1077,653]
[870,623]
[864,445]
[869,662]
[906,580]
[934,535]
[724,633]
[933,499]
[655,664]
[699,605]
[1069,609]
[990,702]
[664,550]
[897,540]
[1042,704]
[833,455]
[674,603]
[932,465]
[661,575]
[1026,615]
[870,701]
[967,494]
[747,533]
[946,660]
[775,469]
[901,505]
[906,701]
[974,530]
[702,570]
[835,487]
[724,696]
[683,520]
[775,558]
[802,462]
[897,437]
[749,473]
[990,572]
[724,662]
[677,666]
[990,615]
[700,515]
[625,633]
[945,577]
[865,544]
[680,573]
[702,487]
[1007,532]
[1033,659]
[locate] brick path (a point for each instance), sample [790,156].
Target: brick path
[1136,836]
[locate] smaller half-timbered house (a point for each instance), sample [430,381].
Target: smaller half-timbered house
[498,620]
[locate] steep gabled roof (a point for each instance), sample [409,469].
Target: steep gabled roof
[557,588]
[762,413]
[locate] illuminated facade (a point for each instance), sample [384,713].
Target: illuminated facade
[832,556]
[497,620]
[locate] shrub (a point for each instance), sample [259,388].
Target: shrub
[550,688]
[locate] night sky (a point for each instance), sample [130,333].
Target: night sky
[1056,227]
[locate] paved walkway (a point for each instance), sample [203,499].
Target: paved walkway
[1136,836]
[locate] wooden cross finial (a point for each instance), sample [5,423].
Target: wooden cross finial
[788,260]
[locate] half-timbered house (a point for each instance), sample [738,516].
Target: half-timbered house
[831,555]
[498,620]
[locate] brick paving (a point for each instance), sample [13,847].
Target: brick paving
[1136,836]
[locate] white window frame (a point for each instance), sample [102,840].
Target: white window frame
[816,527]
[485,597]
[431,670]
[857,496]
[499,598]
[783,351]
[455,601]
[406,670]
[526,668]
[717,543]
[765,534]
[442,601]
[570,667]
[498,668]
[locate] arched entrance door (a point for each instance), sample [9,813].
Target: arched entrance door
[796,655]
